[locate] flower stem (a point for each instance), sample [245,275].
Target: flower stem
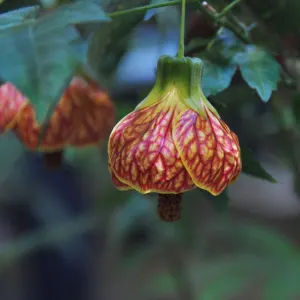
[238,31]
[143,8]
[182,30]
[223,22]
[228,8]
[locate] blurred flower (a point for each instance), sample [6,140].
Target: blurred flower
[84,116]
[11,103]
[174,140]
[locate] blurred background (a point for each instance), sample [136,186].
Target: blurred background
[69,234]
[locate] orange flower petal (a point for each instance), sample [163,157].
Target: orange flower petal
[83,116]
[143,155]
[208,149]
[11,104]
[56,134]
[91,111]
[119,184]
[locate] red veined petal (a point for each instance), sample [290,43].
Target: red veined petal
[142,152]
[209,151]
[91,111]
[11,104]
[55,136]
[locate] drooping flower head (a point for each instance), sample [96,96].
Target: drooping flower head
[84,116]
[174,140]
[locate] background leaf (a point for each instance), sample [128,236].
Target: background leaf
[268,241]
[284,284]
[220,202]
[41,70]
[216,78]
[110,41]
[76,13]
[45,67]
[253,167]
[18,16]
[224,287]
[259,69]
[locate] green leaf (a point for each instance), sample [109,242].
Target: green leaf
[18,16]
[220,202]
[46,61]
[265,239]
[222,278]
[259,69]
[46,110]
[110,42]
[284,284]
[76,13]
[251,166]
[162,285]
[216,78]
[222,287]
[117,5]
[222,49]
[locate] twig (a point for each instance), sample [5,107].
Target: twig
[143,8]
[223,22]
[218,18]
[228,8]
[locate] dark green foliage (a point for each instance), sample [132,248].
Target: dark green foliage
[252,167]
[109,42]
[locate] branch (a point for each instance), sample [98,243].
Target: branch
[228,8]
[219,19]
[143,8]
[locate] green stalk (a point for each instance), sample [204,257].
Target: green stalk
[237,30]
[228,8]
[182,31]
[224,22]
[142,8]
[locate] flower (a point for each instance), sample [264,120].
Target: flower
[84,116]
[11,102]
[174,140]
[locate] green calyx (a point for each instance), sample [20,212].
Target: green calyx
[183,74]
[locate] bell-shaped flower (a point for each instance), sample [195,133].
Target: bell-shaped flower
[174,140]
[84,116]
